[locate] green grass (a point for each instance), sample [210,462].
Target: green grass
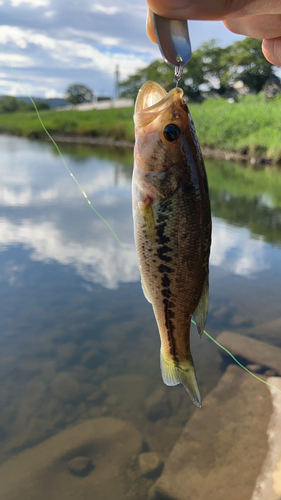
[251,126]
[112,123]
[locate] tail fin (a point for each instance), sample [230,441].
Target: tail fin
[182,372]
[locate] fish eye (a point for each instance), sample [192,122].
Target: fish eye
[171,132]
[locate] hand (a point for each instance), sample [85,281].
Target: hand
[254,18]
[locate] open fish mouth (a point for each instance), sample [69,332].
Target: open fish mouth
[151,96]
[152,99]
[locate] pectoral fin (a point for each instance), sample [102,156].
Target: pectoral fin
[148,220]
[145,292]
[201,311]
[182,372]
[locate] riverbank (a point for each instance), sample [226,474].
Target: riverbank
[207,152]
[248,130]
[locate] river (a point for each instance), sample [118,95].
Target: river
[78,340]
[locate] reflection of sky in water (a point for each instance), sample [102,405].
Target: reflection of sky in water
[234,250]
[56,224]
[72,306]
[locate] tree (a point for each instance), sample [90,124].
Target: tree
[79,93]
[203,68]
[8,104]
[248,64]
[158,71]
[162,73]
[215,68]
[41,105]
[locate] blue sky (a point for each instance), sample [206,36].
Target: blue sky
[54,43]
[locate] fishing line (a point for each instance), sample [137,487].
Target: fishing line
[64,162]
[236,360]
[109,226]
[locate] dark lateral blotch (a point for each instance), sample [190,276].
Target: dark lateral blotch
[165,269]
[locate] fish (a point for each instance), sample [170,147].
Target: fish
[172,226]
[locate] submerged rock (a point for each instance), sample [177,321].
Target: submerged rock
[35,431]
[32,399]
[238,320]
[65,353]
[150,464]
[270,373]
[81,466]
[66,387]
[269,330]
[268,484]
[254,367]
[103,448]
[92,359]
[251,349]
[223,446]
[129,390]
[97,396]
[157,405]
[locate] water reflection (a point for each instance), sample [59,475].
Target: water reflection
[55,222]
[78,340]
[235,251]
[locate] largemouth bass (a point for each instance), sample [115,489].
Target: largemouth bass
[172,225]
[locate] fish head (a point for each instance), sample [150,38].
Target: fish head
[162,122]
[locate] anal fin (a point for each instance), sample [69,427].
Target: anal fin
[201,311]
[145,292]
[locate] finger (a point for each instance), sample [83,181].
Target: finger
[272,50]
[213,9]
[150,28]
[268,26]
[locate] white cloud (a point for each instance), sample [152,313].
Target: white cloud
[49,13]
[49,94]
[32,3]
[14,87]
[97,37]
[17,60]
[112,10]
[70,53]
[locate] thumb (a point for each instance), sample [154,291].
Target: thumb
[149,27]
[212,10]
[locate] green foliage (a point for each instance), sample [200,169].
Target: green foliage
[215,67]
[157,71]
[236,193]
[251,125]
[40,105]
[247,63]
[208,66]
[113,123]
[9,104]
[79,93]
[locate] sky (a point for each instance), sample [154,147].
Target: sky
[52,44]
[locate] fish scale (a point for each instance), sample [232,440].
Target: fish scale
[172,225]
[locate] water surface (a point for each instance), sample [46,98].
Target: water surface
[78,340]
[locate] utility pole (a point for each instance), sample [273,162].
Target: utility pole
[117,80]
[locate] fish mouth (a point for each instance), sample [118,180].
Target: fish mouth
[151,100]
